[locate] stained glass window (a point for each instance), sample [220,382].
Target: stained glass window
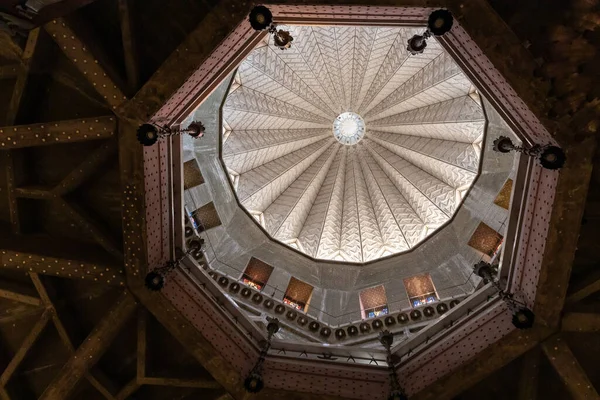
[373,302]
[420,290]
[298,294]
[257,273]
[291,302]
[420,301]
[376,312]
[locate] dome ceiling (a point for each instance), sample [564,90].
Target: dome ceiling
[351,187]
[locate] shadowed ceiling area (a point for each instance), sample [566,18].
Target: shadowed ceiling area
[342,200]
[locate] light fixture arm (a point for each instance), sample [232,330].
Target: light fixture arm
[254,381]
[549,156]
[386,338]
[523,317]
[155,279]
[149,133]
[261,18]
[438,24]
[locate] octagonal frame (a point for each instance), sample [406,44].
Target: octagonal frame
[458,345]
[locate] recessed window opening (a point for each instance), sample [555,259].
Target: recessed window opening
[298,294]
[257,273]
[373,302]
[487,241]
[420,290]
[503,198]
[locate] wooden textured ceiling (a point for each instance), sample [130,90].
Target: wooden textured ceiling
[72,325]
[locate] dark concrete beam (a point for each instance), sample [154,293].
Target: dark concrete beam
[85,221]
[589,286]
[34,192]
[193,341]
[128,390]
[565,223]
[79,53]
[581,322]
[92,348]
[8,163]
[22,76]
[62,332]
[9,71]
[28,342]
[530,375]
[186,383]
[196,48]
[87,168]
[484,364]
[61,267]
[8,48]
[131,164]
[18,293]
[129,45]
[141,345]
[48,133]
[571,373]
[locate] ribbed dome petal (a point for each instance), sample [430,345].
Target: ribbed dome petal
[354,203]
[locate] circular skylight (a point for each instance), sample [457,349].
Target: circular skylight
[351,196]
[348,128]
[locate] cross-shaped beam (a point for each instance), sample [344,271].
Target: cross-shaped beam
[62,331]
[92,348]
[564,362]
[48,133]
[78,52]
[61,267]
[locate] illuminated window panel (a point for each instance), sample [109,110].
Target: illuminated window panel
[192,176]
[486,240]
[207,217]
[420,290]
[503,198]
[373,302]
[298,294]
[420,301]
[257,273]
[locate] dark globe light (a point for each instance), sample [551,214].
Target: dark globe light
[550,157]
[154,281]
[282,39]
[254,383]
[523,318]
[416,44]
[260,18]
[196,129]
[553,157]
[147,134]
[503,144]
[440,22]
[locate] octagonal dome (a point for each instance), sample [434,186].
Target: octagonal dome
[379,184]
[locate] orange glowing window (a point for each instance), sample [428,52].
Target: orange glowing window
[373,302]
[298,294]
[486,240]
[191,175]
[257,273]
[503,198]
[420,290]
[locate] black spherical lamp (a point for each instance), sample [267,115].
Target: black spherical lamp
[440,22]
[260,18]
